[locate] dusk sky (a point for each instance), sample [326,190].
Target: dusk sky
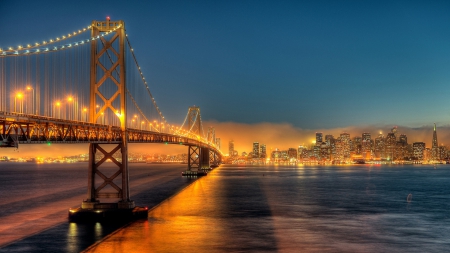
[308,65]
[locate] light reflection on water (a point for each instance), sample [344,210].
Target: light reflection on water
[35,199]
[306,209]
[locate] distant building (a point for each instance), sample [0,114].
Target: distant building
[263,152]
[435,154]
[231,148]
[443,153]
[292,153]
[318,138]
[255,150]
[379,147]
[345,145]
[366,146]
[391,143]
[357,145]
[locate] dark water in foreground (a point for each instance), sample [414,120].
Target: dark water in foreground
[249,209]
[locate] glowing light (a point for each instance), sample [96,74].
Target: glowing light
[70,99]
[19,95]
[58,103]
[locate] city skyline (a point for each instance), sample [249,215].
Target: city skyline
[346,149]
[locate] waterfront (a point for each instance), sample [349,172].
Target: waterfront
[360,208]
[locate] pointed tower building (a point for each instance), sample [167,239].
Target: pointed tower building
[434,146]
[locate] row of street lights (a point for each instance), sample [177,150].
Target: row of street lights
[19,102]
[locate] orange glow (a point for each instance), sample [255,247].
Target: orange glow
[19,95]
[70,99]
[58,103]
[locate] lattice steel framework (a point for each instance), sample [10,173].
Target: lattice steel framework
[112,71]
[194,120]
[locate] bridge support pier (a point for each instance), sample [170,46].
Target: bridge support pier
[205,159]
[108,197]
[213,159]
[198,160]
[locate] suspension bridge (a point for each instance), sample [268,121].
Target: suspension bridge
[87,87]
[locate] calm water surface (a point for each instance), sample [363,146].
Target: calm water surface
[299,209]
[237,209]
[35,199]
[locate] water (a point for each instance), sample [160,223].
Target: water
[35,199]
[246,209]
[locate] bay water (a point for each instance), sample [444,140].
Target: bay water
[358,208]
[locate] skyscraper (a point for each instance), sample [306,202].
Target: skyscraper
[418,149]
[231,148]
[434,146]
[345,142]
[263,152]
[379,147]
[255,149]
[391,143]
[319,138]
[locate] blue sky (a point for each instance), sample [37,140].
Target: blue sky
[312,64]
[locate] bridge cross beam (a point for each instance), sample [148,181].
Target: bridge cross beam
[94,193]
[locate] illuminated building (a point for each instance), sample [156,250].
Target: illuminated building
[316,152]
[284,155]
[435,155]
[391,143]
[292,153]
[401,149]
[255,150]
[379,147]
[276,155]
[366,146]
[325,152]
[357,145]
[443,152]
[263,152]
[427,154]
[418,150]
[345,145]
[318,138]
[331,142]
[231,148]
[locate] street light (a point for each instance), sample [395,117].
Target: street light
[58,104]
[85,113]
[70,100]
[32,100]
[19,96]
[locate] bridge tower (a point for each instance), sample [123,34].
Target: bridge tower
[198,157]
[108,73]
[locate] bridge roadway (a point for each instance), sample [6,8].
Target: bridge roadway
[19,128]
